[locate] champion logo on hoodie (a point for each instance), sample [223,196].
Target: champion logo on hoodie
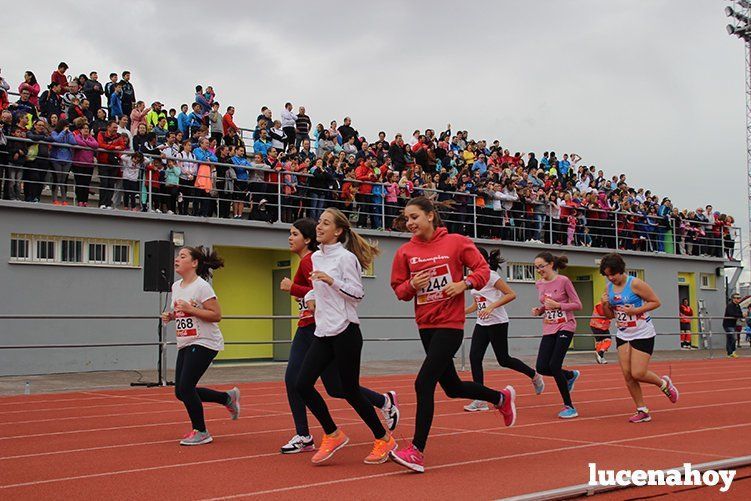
[434,259]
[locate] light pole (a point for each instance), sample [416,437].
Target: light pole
[740,13]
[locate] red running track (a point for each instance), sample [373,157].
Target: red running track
[124,444]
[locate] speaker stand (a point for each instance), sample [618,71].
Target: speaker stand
[161,360]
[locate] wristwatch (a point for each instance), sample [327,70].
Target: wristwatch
[469,285]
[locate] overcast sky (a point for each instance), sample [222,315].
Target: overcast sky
[650,88]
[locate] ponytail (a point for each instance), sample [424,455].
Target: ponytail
[364,250]
[494,259]
[208,260]
[559,262]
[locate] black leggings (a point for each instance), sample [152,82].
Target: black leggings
[553,348]
[343,352]
[497,336]
[301,344]
[438,368]
[192,362]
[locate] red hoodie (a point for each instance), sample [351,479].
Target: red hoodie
[301,285]
[445,255]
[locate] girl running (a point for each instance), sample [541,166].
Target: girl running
[629,300]
[337,290]
[685,313]
[558,301]
[302,241]
[196,312]
[600,326]
[429,269]
[492,328]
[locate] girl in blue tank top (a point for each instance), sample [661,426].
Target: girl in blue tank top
[629,300]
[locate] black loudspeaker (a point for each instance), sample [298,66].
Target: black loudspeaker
[158,266]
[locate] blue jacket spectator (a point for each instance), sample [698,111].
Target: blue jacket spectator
[116,105]
[62,154]
[240,170]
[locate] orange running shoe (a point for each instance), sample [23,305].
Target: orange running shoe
[331,444]
[381,449]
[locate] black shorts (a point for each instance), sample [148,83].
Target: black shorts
[644,345]
[685,327]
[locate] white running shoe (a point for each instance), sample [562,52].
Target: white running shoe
[234,402]
[539,383]
[477,406]
[600,358]
[391,410]
[298,444]
[196,437]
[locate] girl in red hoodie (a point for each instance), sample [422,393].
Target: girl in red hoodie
[429,270]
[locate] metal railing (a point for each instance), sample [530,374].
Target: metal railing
[279,195]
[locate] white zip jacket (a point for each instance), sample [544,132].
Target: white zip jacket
[336,305]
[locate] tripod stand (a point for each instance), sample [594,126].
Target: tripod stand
[161,363]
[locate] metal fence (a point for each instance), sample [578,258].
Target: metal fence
[278,195]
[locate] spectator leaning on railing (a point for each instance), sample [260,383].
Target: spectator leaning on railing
[487,190]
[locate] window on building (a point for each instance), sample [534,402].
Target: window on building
[98,253]
[45,251]
[707,281]
[20,249]
[520,272]
[636,273]
[121,254]
[72,251]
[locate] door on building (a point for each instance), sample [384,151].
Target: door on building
[585,292]
[282,306]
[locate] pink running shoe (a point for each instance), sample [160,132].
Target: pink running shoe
[640,417]
[508,408]
[670,390]
[410,458]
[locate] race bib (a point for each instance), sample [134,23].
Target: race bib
[186,326]
[304,311]
[482,302]
[624,320]
[554,316]
[440,277]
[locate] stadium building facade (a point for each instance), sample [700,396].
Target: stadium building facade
[75,261]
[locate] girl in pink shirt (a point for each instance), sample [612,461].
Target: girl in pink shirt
[558,302]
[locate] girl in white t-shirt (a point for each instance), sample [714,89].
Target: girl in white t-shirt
[492,328]
[196,313]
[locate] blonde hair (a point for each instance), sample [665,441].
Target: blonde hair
[365,251]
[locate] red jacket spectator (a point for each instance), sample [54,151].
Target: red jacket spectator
[228,123]
[114,142]
[60,78]
[364,172]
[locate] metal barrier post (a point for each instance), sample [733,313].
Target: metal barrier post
[616,231]
[383,207]
[279,197]
[464,355]
[550,228]
[474,220]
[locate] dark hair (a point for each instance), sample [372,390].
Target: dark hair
[307,226]
[150,136]
[207,260]
[113,75]
[494,259]
[427,206]
[33,77]
[61,124]
[559,262]
[126,72]
[614,262]
[62,65]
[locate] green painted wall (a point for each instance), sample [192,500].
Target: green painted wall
[243,287]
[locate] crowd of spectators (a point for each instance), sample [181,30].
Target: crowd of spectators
[196,162]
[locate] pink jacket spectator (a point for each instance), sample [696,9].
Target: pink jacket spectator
[33,90]
[137,118]
[85,158]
